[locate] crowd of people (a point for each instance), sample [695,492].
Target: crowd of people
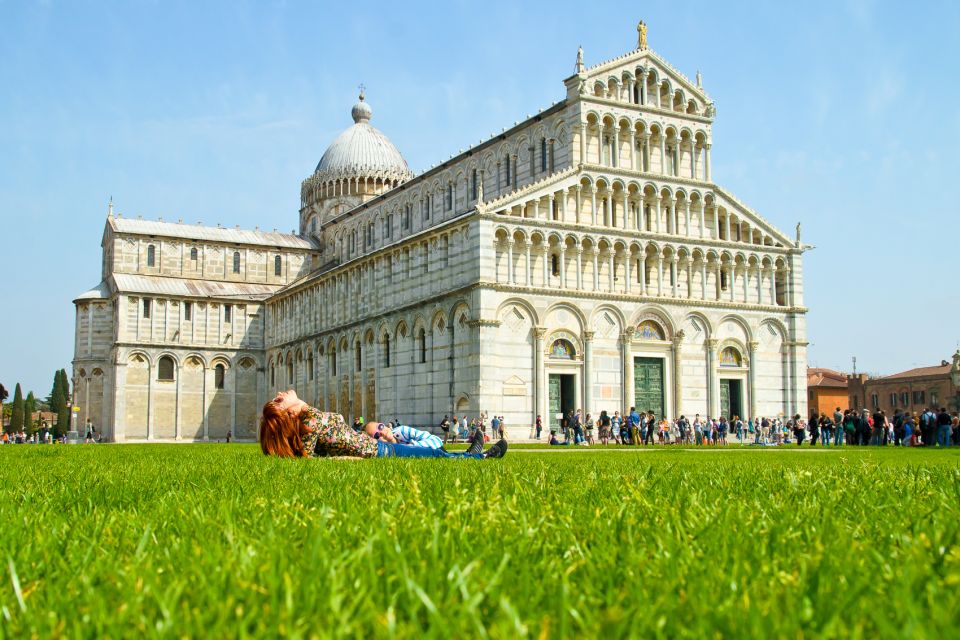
[932,427]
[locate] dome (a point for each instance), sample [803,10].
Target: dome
[362,151]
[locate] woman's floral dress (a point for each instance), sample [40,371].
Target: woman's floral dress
[328,434]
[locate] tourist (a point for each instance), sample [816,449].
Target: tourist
[682,429]
[814,426]
[539,426]
[556,443]
[403,435]
[588,425]
[798,429]
[445,427]
[826,430]
[944,428]
[290,428]
[501,429]
[577,424]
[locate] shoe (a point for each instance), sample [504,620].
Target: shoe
[498,450]
[476,443]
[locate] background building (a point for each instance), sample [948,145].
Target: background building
[826,390]
[583,258]
[913,390]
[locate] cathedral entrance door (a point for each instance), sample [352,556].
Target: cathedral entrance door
[731,398]
[648,385]
[562,398]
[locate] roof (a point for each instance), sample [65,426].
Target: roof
[211,234]
[818,377]
[362,151]
[178,287]
[920,372]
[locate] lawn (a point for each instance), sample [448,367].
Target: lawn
[218,541]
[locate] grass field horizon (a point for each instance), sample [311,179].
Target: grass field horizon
[219,541]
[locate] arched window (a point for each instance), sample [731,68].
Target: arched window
[554,265]
[730,357]
[562,350]
[236,262]
[277,266]
[422,338]
[151,256]
[290,379]
[650,330]
[310,366]
[313,225]
[194,254]
[273,375]
[358,356]
[386,352]
[333,362]
[165,369]
[543,154]
[219,373]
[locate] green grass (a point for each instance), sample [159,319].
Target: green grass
[218,541]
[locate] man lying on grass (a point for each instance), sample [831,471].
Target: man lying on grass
[290,428]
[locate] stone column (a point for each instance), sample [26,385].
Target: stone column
[539,375]
[611,212]
[626,210]
[660,260]
[627,259]
[593,209]
[646,152]
[535,209]
[659,203]
[588,372]
[773,285]
[579,204]
[563,205]
[510,261]
[527,280]
[716,221]
[596,273]
[751,372]
[642,269]
[579,250]
[674,275]
[686,219]
[563,266]
[663,154]
[178,435]
[550,207]
[693,160]
[583,143]
[643,88]
[713,405]
[612,263]
[706,162]
[626,357]
[633,150]
[703,279]
[677,374]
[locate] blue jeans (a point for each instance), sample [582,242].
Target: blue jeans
[838,434]
[389,450]
[943,435]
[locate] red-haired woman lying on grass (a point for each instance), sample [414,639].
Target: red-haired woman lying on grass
[290,428]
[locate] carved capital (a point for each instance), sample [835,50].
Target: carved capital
[588,336]
[539,332]
[753,344]
[712,344]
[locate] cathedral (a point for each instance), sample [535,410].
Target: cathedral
[583,258]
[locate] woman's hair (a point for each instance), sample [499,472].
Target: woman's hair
[280,433]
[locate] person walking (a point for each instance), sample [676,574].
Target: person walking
[539,426]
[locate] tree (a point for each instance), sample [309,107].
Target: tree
[59,401]
[29,406]
[16,418]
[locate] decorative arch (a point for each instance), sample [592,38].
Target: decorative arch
[658,316]
[526,306]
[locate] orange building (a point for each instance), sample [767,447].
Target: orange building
[826,390]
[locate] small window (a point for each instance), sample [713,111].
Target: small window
[146,307]
[543,154]
[386,352]
[875,401]
[194,254]
[228,313]
[449,196]
[423,346]
[218,376]
[277,266]
[905,399]
[473,185]
[151,256]
[188,311]
[236,262]
[405,221]
[273,375]
[893,401]
[934,398]
[723,280]
[555,265]
[313,225]
[310,366]
[165,369]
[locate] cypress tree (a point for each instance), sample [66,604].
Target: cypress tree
[63,411]
[16,418]
[29,406]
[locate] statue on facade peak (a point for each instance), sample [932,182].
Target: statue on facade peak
[798,234]
[580,59]
[699,80]
[642,36]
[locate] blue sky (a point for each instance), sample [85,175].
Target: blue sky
[843,115]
